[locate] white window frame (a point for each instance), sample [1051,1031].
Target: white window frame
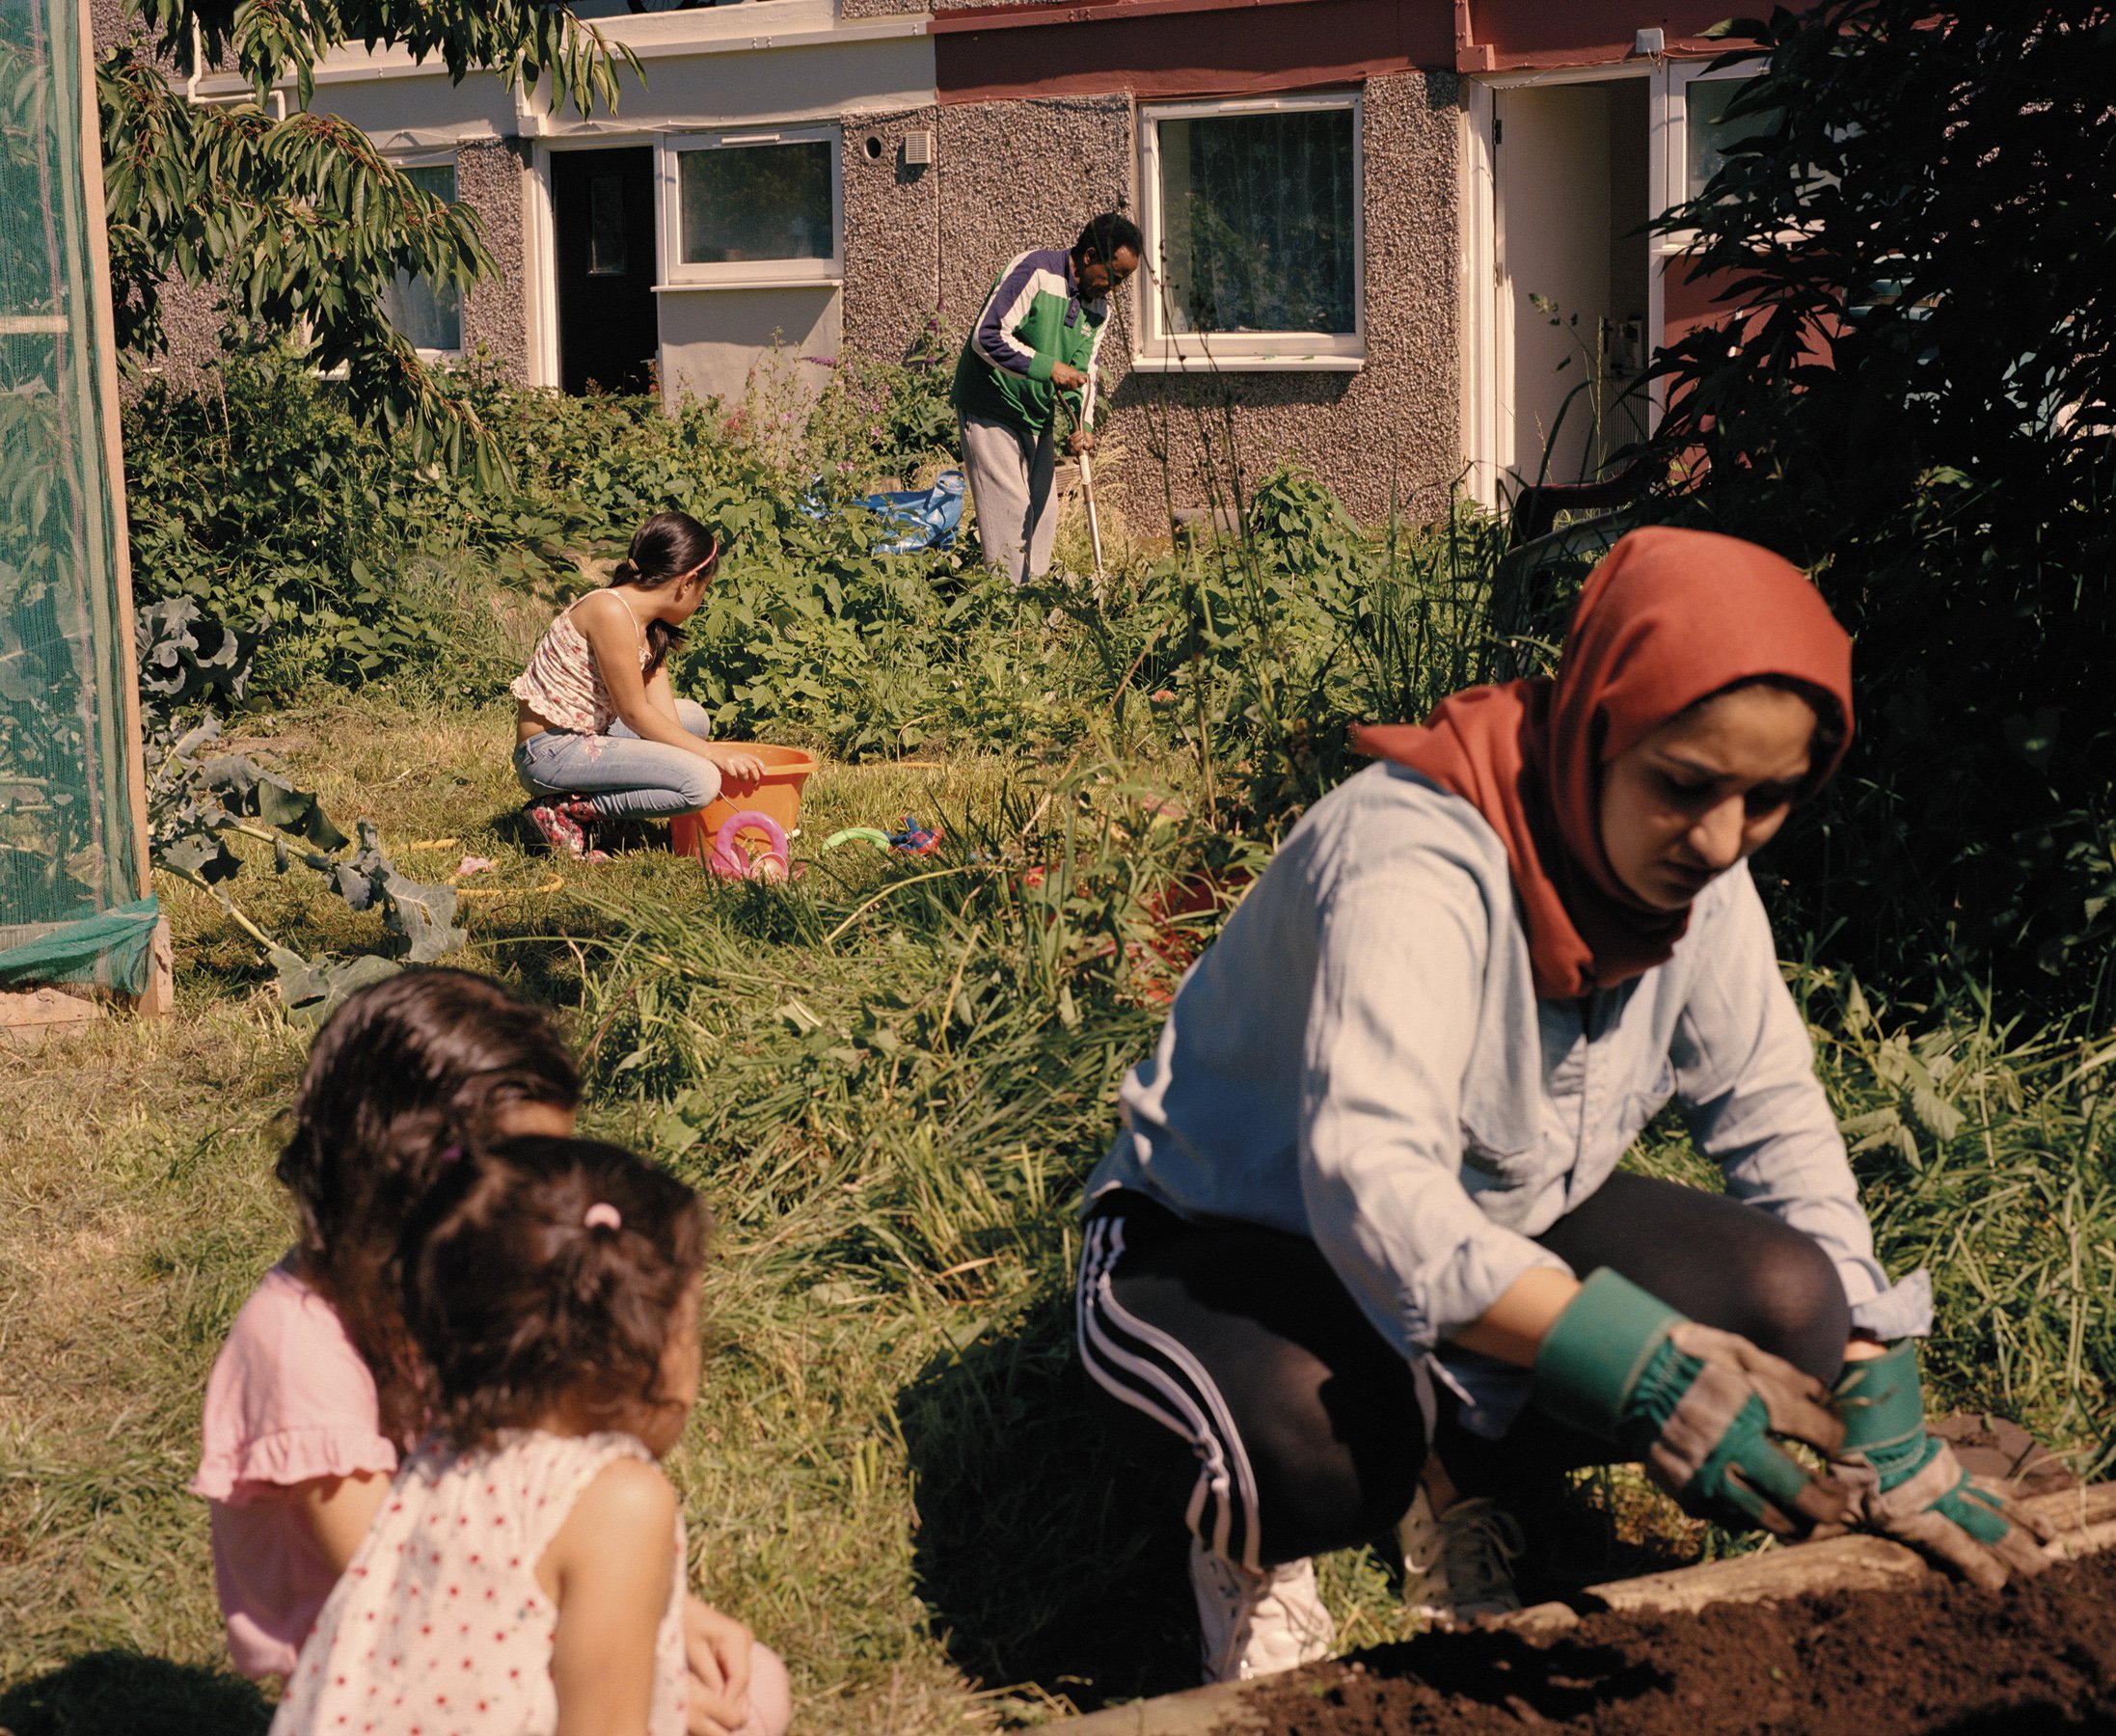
[1158,351]
[746,274]
[1672,161]
[433,159]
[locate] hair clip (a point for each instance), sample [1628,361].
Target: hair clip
[602,1215]
[450,1153]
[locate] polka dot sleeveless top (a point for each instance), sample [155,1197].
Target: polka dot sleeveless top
[439,1627]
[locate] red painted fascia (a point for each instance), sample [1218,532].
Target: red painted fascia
[1512,35]
[1156,49]
[1081,12]
[1165,49]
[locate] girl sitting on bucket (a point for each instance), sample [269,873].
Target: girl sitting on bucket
[598,732]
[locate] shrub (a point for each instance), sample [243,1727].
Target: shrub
[1922,405]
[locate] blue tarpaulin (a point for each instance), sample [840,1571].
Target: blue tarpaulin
[922,518]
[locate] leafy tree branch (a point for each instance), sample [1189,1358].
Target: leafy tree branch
[301,223]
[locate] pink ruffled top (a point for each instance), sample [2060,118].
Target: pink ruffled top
[289,1400]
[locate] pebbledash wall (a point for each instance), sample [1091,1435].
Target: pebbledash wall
[1065,96]
[1023,172]
[489,178]
[1386,438]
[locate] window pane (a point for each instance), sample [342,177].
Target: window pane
[606,226]
[756,202]
[430,319]
[1257,225]
[1709,134]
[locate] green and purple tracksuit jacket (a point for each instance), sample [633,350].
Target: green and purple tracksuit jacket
[1033,317]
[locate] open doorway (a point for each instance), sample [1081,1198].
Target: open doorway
[1571,169]
[603,204]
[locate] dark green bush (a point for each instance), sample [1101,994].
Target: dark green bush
[1922,405]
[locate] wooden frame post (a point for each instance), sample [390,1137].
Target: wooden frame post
[159,996]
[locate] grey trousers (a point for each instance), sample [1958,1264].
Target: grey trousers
[1010,472]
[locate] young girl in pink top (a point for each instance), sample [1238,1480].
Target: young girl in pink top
[527,1574]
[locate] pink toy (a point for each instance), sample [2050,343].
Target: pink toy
[731,862]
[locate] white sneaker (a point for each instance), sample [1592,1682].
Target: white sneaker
[1458,1566]
[1256,1624]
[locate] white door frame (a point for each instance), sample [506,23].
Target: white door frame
[540,244]
[1487,308]
[540,266]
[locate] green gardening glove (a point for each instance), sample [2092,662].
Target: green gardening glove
[1907,1484]
[1696,1405]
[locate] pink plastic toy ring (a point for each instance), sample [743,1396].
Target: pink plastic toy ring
[731,862]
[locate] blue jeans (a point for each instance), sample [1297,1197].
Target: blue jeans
[619,772]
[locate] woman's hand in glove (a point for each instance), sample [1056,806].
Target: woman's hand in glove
[1697,1405]
[1907,1484]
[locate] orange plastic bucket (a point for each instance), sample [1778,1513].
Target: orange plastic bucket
[785,771]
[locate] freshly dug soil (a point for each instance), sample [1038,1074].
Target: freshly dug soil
[1939,1660]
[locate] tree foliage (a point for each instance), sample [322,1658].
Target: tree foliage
[1917,251]
[301,223]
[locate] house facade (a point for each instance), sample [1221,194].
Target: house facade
[1402,242]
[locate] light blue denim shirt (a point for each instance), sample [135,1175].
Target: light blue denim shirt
[1360,1059]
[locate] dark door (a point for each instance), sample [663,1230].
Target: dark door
[607,328]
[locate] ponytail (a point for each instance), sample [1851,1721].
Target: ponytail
[664,548]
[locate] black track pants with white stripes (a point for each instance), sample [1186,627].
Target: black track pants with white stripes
[1248,1387]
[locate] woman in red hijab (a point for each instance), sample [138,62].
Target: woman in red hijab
[1360,1255]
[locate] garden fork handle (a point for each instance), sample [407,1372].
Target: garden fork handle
[1087,471]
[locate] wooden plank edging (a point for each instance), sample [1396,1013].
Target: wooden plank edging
[2085,1519]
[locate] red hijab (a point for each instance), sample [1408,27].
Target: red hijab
[1668,618]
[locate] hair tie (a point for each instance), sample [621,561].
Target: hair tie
[450,1153]
[602,1215]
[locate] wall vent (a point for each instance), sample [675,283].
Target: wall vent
[917,149]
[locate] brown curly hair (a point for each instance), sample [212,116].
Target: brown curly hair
[517,1300]
[405,1071]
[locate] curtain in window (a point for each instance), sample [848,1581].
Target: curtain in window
[1257,225]
[429,316]
[756,202]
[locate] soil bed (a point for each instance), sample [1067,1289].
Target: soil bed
[1939,1660]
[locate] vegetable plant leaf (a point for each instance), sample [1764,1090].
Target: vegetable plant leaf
[423,916]
[201,857]
[311,990]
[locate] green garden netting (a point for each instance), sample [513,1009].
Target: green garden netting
[71,891]
[110,951]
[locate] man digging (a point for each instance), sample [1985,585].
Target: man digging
[1035,338]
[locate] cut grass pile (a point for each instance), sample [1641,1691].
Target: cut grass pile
[887,1080]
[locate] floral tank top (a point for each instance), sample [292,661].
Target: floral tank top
[439,1624]
[562,685]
